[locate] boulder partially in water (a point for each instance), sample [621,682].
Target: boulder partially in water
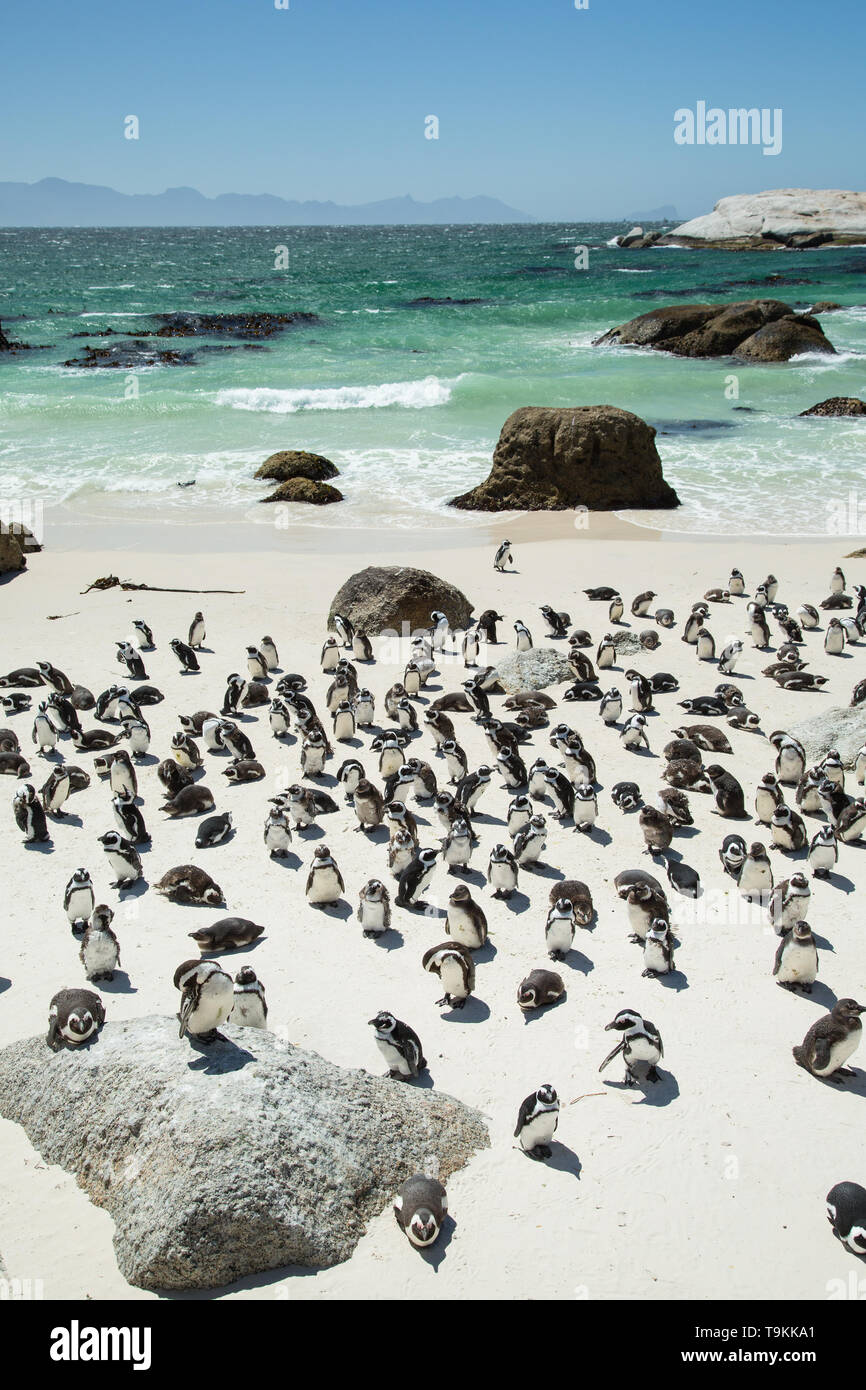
[837,405]
[755,330]
[305,490]
[296,463]
[554,459]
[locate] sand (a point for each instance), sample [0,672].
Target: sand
[710,1185]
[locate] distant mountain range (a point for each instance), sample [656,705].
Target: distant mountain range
[668,213]
[57,203]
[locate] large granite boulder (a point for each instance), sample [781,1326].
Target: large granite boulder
[533,670]
[296,463]
[305,490]
[837,405]
[760,330]
[843,728]
[384,597]
[11,552]
[784,215]
[220,1162]
[551,459]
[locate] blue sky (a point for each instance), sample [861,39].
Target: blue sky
[565,114]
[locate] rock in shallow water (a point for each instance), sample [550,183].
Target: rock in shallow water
[554,459]
[296,463]
[305,490]
[224,1161]
[755,330]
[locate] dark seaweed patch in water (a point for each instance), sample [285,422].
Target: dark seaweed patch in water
[255,324]
[429,301]
[130,355]
[690,426]
[543,270]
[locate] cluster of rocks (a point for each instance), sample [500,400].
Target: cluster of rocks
[244,325]
[837,405]
[301,477]
[753,330]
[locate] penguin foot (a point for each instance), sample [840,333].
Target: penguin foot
[629,1080]
[539,1153]
[845,1071]
[645,973]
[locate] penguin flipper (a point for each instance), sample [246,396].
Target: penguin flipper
[610,1056]
[821,1053]
[52,1036]
[186,1009]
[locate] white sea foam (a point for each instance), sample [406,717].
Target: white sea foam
[414,395]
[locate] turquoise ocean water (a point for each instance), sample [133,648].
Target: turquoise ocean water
[407,398]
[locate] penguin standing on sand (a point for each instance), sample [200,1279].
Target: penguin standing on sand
[823,852]
[79,900]
[796,963]
[658,952]
[503,557]
[399,1045]
[374,908]
[756,874]
[29,816]
[464,920]
[44,732]
[537,1121]
[559,929]
[455,967]
[186,656]
[123,857]
[502,872]
[831,1041]
[197,632]
[100,949]
[324,881]
[416,879]
[640,1045]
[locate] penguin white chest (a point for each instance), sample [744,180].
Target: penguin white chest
[453,979]
[839,1053]
[100,954]
[539,1130]
[502,875]
[325,887]
[654,957]
[214,1005]
[248,1011]
[462,928]
[393,1056]
[798,963]
[560,935]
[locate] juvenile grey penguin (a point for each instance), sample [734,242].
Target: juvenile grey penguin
[796,963]
[197,632]
[324,882]
[831,1041]
[250,1009]
[465,920]
[502,871]
[399,1045]
[455,967]
[100,949]
[658,951]
[420,1207]
[657,828]
[537,1121]
[206,1000]
[823,852]
[641,1046]
[74,1016]
[374,908]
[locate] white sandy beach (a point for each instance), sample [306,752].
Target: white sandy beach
[716,1192]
